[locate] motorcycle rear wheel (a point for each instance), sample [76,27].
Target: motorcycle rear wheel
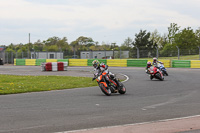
[105,90]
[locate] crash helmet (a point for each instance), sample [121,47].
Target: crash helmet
[95,63]
[148,64]
[154,60]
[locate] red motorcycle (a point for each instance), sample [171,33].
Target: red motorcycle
[108,88]
[154,72]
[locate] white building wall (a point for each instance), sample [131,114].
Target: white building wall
[47,55]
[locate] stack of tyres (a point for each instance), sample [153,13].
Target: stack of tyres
[54,66]
[65,66]
[60,66]
[43,66]
[48,66]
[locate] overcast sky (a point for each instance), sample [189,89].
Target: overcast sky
[106,21]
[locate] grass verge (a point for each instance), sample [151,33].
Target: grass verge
[12,84]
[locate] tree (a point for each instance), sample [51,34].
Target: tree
[142,40]
[156,39]
[52,48]
[62,44]
[51,41]
[173,30]
[197,35]
[127,43]
[85,41]
[186,39]
[38,46]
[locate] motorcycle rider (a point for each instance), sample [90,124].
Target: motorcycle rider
[102,68]
[99,67]
[155,62]
[148,66]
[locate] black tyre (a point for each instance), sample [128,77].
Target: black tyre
[151,77]
[161,77]
[105,90]
[166,73]
[158,76]
[122,88]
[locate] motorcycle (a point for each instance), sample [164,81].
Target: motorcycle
[154,72]
[114,86]
[163,69]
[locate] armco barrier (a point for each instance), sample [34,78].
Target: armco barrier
[36,62]
[51,60]
[30,62]
[167,63]
[62,60]
[77,62]
[111,62]
[19,62]
[117,62]
[195,63]
[181,63]
[136,63]
[39,61]
[89,62]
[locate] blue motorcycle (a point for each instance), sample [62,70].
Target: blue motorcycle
[163,69]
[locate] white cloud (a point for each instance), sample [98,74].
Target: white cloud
[100,18]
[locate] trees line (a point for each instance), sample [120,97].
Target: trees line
[184,39]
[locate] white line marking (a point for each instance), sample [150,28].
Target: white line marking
[127,78]
[166,120]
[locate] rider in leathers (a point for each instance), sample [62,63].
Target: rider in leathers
[155,62]
[100,67]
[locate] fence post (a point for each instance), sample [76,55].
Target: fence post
[120,53]
[178,52]
[105,53]
[199,52]
[138,52]
[157,52]
[11,56]
[74,51]
[7,57]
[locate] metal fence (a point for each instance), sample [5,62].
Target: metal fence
[8,57]
[143,53]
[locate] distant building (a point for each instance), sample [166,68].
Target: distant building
[46,55]
[2,53]
[103,54]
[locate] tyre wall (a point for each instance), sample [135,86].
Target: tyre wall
[110,62]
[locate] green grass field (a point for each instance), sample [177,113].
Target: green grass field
[11,84]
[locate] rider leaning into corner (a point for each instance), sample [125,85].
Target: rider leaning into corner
[102,68]
[155,62]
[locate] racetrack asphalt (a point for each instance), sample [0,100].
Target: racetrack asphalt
[147,102]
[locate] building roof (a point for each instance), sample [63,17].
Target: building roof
[1,48]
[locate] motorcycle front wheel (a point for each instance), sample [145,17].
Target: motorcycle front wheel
[105,90]
[122,88]
[158,76]
[166,73]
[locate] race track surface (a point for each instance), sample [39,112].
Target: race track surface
[66,110]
